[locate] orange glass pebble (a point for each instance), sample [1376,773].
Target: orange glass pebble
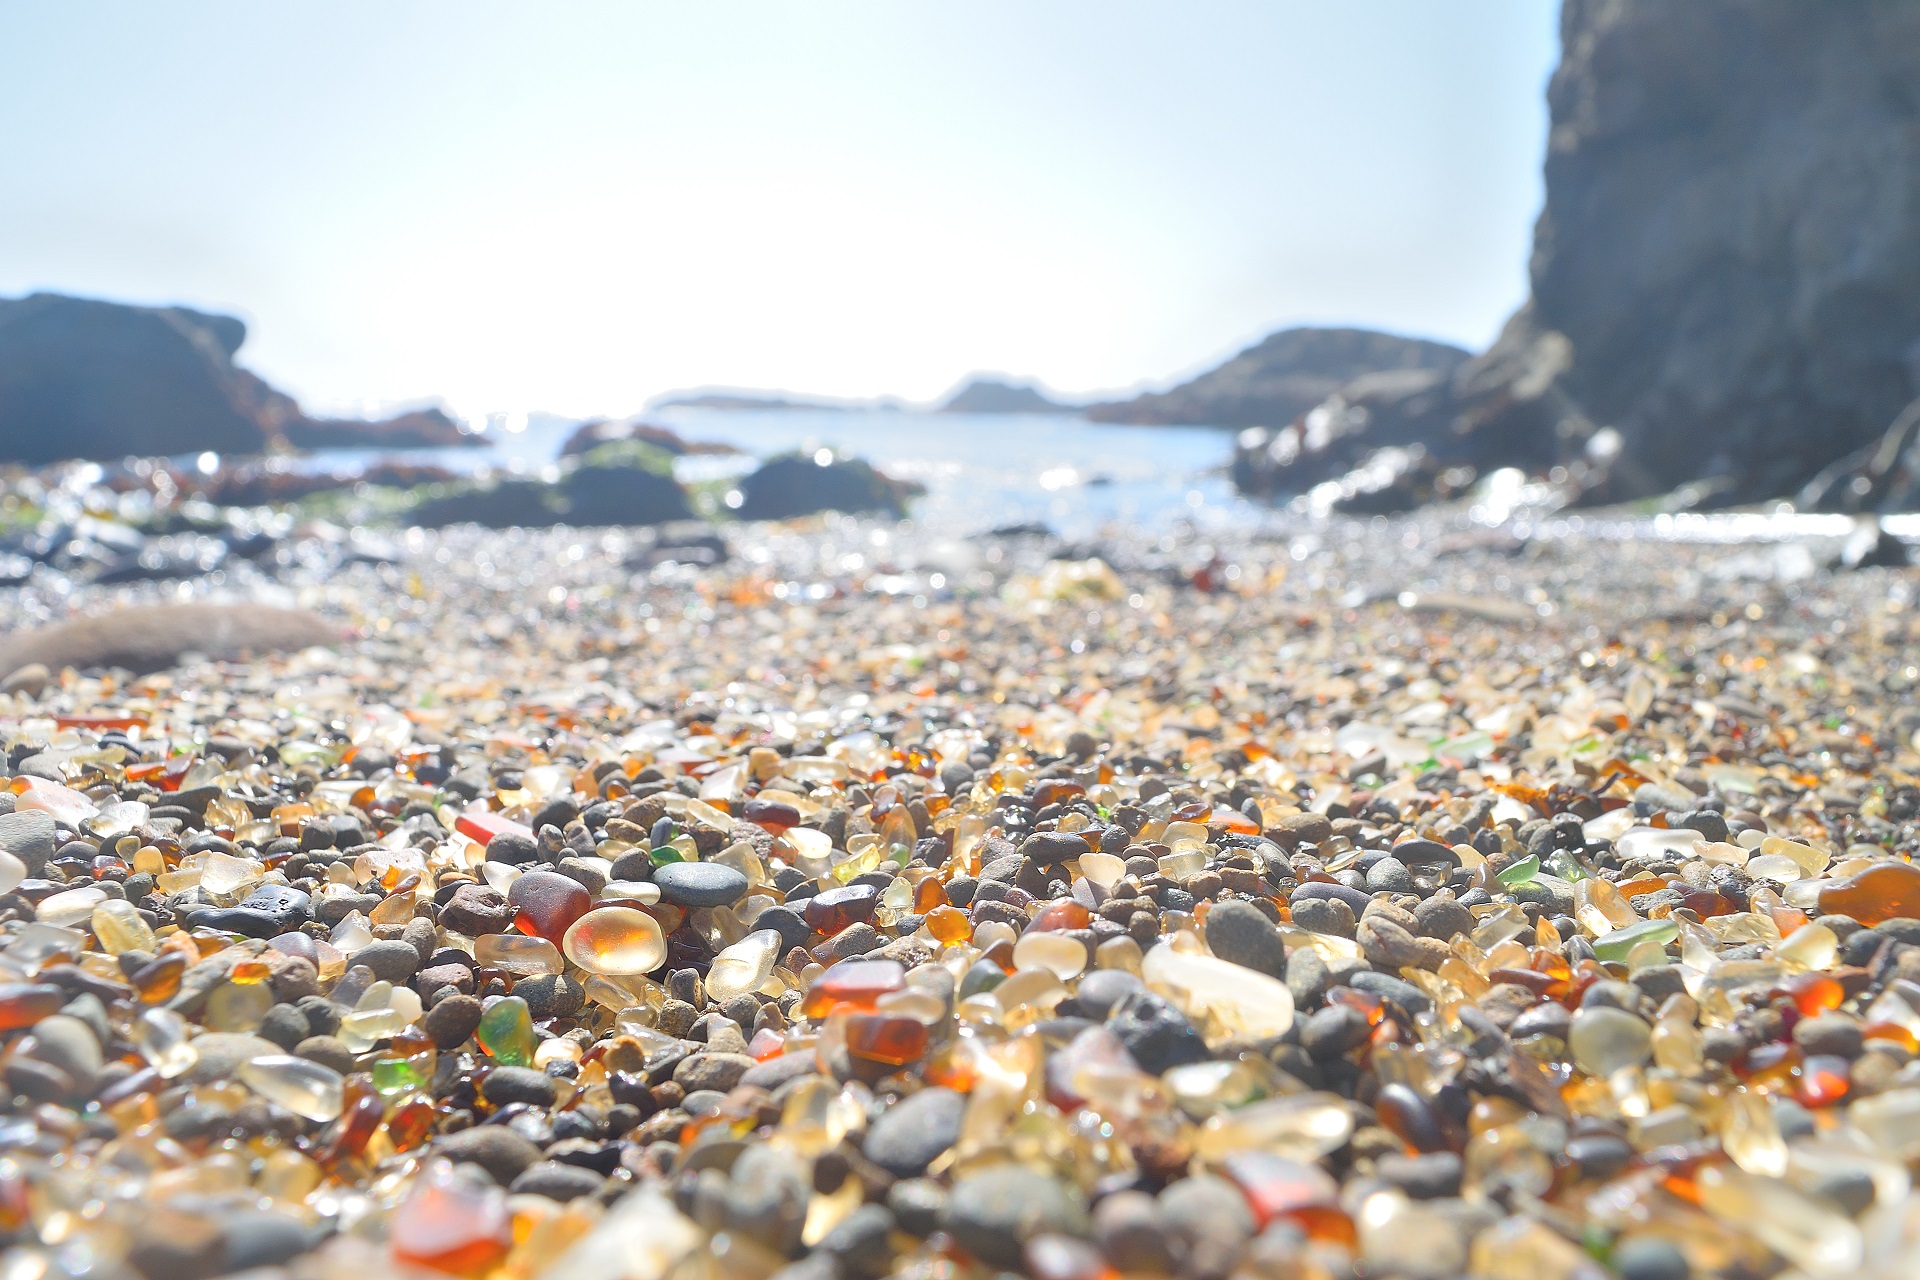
[1824,1080]
[949,924]
[248,971]
[176,771]
[1813,993]
[1000,953]
[24,1003]
[1787,919]
[1885,891]
[1702,902]
[1059,916]
[359,1120]
[547,904]
[1647,884]
[1236,822]
[766,1043]
[853,984]
[1276,1186]
[410,1125]
[1328,1224]
[1372,1007]
[892,1039]
[159,978]
[102,722]
[1055,791]
[837,909]
[928,894]
[452,1226]
[1893,1033]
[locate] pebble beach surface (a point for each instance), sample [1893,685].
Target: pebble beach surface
[1384,899]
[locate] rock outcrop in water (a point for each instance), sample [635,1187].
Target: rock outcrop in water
[417,429]
[1281,377]
[82,378]
[997,395]
[799,484]
[1725,279]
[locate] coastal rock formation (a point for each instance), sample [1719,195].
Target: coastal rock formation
[1281,377]
[997,395]
[86,379]
[1725,278]
[82,378]
[1731,240]
[591,435]
[418,429]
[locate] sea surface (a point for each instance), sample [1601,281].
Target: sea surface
[981,471]
[1080,478]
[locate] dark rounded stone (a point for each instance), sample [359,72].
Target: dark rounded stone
[556,1181]
[244,921]
[1444,918]
[634,866]
[1331,916]
[993,1213]
[1388,987]
[452,1020]
[1424,853]
[917,1205]
[505,1086]
[392,960]
[551,995]
[1239,932]
[1211,1217]
[1051,848]
[700,884]
[1101,991]
[1424,1177]
[475,910]
[861,1242]
[1830,1033]
[286,1026]
[1549,1019]
[1157,1035]
[328,1051]
[513,848]
[1134,1234]
[261,1239]
[1390,875]
[290,906]
[788,923]
[909,1135]
[1599,1155]
[497,1148]
[1354,898]
[1650,1258]
[1332,1031]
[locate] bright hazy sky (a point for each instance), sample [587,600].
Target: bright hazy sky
[577,206]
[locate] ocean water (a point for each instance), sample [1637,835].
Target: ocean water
[985,471]
[981,471]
